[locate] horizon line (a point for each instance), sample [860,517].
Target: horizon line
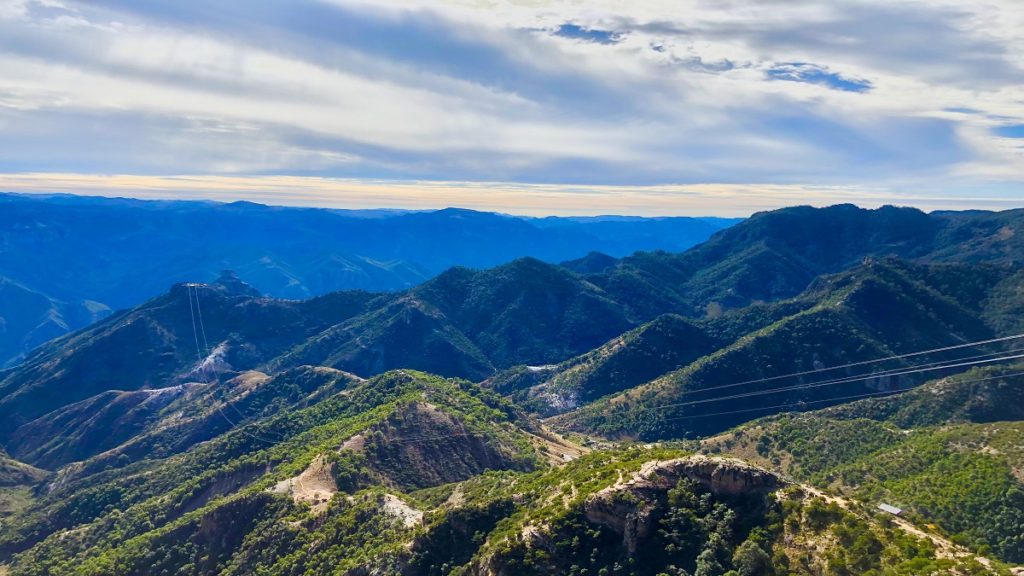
[723,200]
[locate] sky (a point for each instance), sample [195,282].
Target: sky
[650,107]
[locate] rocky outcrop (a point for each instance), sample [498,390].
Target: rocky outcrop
[628,507]
[397,508]
[723,476]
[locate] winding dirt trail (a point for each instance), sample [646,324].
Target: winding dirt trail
[944,548]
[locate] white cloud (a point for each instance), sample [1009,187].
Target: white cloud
[692,91]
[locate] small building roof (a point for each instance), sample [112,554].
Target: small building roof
[890,509]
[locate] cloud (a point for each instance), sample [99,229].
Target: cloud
[814,95]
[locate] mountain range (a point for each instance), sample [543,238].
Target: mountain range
[743,405]
[104,254]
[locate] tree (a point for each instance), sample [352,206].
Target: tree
[708,562]
[751,560]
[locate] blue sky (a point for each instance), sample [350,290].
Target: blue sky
[528,106]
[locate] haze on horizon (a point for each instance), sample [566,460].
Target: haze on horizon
[692,107]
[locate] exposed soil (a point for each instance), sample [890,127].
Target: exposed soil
[315,485]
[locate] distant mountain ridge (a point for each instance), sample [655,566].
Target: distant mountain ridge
[103,254]
[776,254]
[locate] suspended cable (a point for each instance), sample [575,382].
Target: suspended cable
[842,398]
[202,327]
[903,370]
[279,437]
[867,362]
[418,439]
[192,313]
[234,425]
[832,383]
[789,405]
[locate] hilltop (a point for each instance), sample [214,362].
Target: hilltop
[774,255]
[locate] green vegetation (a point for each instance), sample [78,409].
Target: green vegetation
[774,255]
[662,345]
[14,473]
[878,309]
[153,346]
[988,394]
[564,524]
[966,478]
[16,482]
[569,519]
[111,506]
[697,533]
[310,441]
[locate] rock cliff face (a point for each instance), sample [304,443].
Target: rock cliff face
[629,506]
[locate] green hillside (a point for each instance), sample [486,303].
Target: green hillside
[632,512]
[405,333]
[979,395]
[658,511]
[399,431]
[922,451]
[526,312]
[155,344]
[775,255]
[638,356]
[873,311]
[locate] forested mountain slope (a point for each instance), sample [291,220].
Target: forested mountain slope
[155,344]
[388,433]
[634,512]
[526,311]
[876,310]
[464,323]
[104,254]
[660,346]
[950,452]
[774,255]
[474,323]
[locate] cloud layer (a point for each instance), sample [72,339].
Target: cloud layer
[913,101]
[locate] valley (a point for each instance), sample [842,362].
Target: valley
[738,407]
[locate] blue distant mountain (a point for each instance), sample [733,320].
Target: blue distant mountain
[67,260]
